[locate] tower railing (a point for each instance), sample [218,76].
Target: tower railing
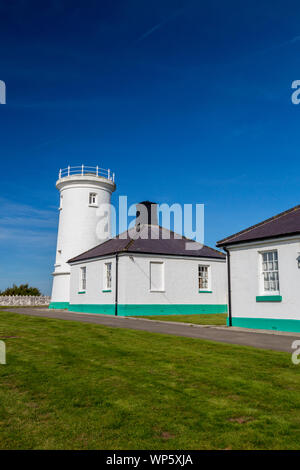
[86,170]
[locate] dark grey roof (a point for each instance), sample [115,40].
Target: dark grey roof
[285,223]
[160,241]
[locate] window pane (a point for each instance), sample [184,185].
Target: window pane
[83,278]
[203,277]
[107,276]
[270,271]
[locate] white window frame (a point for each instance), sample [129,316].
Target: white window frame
[93,198]
[107,282]
[82,282]
[268,267]
[208,270]
[157,289]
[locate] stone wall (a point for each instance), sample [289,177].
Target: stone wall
[24,300]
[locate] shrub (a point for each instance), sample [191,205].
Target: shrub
[22,289]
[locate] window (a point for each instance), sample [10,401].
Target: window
[107,276]
[203,277]
[83,278]
[157,276]
[93,199]
[270,271]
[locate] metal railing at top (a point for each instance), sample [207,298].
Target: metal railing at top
[86,170]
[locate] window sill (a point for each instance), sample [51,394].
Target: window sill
[268,298]
[106,290]
[157,291]
[205,291]
[93,205]
[81,292]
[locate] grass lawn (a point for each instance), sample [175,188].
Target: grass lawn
[212,319]
[82,386]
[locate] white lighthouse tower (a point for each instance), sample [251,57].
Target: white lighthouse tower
[84,221]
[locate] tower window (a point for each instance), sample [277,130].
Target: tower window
[93,199]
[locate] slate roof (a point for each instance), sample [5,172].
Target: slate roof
[285,223]
[155,244]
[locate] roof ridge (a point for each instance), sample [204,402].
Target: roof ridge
[259,224]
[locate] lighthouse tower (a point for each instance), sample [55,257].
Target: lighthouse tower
[84,221]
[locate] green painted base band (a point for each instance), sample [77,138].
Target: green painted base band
[266,324]
[139,310]
[105,309]
[268,298]
[59,305]
[205,291]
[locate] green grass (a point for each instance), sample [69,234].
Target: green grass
[81,386]
[202,319]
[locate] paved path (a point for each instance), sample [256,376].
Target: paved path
[263,340]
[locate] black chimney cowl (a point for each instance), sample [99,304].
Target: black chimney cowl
[146,213]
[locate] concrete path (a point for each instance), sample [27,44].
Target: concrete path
[259,339]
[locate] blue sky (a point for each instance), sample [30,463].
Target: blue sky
[187,101]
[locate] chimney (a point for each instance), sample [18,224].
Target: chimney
[146,213]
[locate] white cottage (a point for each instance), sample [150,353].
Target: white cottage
[264,274]
[148,271]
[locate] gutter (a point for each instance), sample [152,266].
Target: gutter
[229,286]
[116,284]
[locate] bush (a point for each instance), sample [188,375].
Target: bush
[22,289]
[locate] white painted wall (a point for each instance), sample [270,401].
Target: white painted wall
[245,265]
[94,283]
[79,224]
[181,281]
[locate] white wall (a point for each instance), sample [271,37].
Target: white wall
[79,221]
[245,265]
[181,281]
[79,228]
[60,287]
[94,283]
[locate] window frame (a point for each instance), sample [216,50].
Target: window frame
[107,286]
[93,199]
[82,280]
[262,271]
[208,282]
[162,289]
